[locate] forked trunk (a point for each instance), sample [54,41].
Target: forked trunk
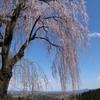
[5,77]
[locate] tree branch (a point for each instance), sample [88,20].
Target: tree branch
[37,31]
[34,27]
[55,18]
[50,17]
[11,25]
[3,21]
[58,46]
[19,55]
[8,37]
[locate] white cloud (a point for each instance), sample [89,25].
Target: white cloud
[95,34]
[98,78]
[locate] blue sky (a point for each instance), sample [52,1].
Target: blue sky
[89,63]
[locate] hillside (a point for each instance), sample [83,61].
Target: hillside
[90,95]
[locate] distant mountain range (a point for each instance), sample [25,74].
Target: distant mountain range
[49,92]
[80,91]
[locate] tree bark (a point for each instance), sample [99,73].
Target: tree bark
[5,77]
[7,63]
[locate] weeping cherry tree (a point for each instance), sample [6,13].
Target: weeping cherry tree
[60,24]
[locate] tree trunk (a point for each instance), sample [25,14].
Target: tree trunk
[5,77]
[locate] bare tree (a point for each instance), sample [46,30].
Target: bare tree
[61,24]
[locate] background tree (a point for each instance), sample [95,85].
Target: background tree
[60,24]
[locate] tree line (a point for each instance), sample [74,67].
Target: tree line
[90,95]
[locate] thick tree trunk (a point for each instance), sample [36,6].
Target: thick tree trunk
[5,77]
